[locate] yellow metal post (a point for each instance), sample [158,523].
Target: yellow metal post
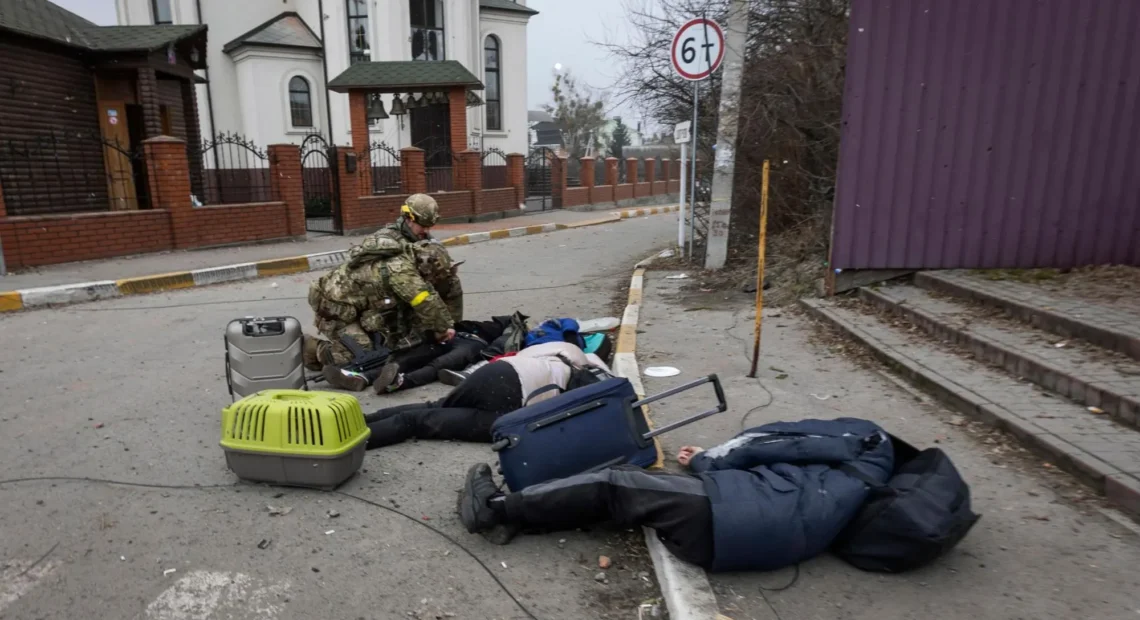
[760,268]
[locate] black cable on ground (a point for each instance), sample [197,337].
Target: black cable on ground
[195,487]
[748,358]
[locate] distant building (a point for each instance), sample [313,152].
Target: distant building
[270,62]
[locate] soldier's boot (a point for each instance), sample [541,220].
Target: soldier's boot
[309,349]
[344,379]
[389,379]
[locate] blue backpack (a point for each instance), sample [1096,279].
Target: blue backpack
[556,330]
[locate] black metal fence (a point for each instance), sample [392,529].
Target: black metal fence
[439,166]
[233,170]
[383,168]
[319,185]
[495,174]
[68,173]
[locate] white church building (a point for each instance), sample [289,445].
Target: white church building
[270,62]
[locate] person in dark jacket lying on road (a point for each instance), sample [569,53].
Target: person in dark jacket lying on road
[770,497]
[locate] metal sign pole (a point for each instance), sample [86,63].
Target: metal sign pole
[681,212]
[693,173]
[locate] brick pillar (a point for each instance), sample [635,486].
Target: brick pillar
[612,171]
[457,106]
[651,173]
[351,214]
[631,173]
[516,175]
[413,177]
[148,97]
[168,183]
[358,121]
[586,174]
[666,171]
[558,174]
[470,178]
[285,175]
[193,137]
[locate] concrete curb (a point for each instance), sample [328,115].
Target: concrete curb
[1117,486]
[686,589]
[66,294]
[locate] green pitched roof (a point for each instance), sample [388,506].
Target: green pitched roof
[405,75]
[285,30]
[45,20]
[506,5]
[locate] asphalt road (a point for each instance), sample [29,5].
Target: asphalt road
[131,390]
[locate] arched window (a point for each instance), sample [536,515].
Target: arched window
[491,75]
[300,102]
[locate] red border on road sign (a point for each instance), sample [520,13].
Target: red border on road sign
[673,49]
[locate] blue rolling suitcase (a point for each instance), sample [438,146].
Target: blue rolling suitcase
[585,429]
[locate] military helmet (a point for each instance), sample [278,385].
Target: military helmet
[421,209]
[432,261]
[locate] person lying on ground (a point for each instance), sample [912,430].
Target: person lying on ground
[772,496]
[426,363]
[469,410]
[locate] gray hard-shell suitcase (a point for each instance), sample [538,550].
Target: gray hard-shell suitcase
[264,353]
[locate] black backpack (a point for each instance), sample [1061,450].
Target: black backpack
[918,515]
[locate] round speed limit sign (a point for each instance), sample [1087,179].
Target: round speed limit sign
[698,48]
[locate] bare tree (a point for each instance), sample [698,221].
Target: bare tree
[579,115]
[792,97]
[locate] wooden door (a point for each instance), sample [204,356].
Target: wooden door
[117,155]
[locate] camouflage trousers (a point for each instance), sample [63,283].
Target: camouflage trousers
[330,349]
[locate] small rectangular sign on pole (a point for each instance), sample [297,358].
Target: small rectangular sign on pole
[681,132]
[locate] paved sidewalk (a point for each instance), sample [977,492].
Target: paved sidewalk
[167,262]
[1034,554]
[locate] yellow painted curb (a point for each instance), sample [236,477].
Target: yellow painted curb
[11,300]
[458,240]
[503,233]
[282,266]
[156,283]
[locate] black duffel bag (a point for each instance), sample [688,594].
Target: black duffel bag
[917,516]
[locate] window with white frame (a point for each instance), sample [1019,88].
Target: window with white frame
[492,76]
[300,102]
[358,48]
[427,29]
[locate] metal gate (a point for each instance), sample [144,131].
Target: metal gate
[321,190]
[539,177]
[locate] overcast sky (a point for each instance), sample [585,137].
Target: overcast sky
[564,32]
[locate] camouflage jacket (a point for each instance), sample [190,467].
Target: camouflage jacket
[395,293]
[392,240]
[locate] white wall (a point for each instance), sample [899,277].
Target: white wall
[511,31]
[248,96]
[263,87]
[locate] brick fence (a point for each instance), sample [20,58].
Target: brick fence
[172,222]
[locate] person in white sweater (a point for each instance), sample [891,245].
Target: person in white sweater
[469,410]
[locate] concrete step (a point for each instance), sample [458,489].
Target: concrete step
[1104,325]
[1100,451]
[1084,373]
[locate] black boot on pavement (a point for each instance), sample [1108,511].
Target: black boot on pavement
[389,379]
[475,510]
[338,378]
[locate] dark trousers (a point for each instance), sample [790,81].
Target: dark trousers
[465,414]
[422,364]
[673,504]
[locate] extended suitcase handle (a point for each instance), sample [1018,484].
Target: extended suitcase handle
[721,405]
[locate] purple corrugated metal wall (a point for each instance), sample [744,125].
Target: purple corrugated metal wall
[990,133]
